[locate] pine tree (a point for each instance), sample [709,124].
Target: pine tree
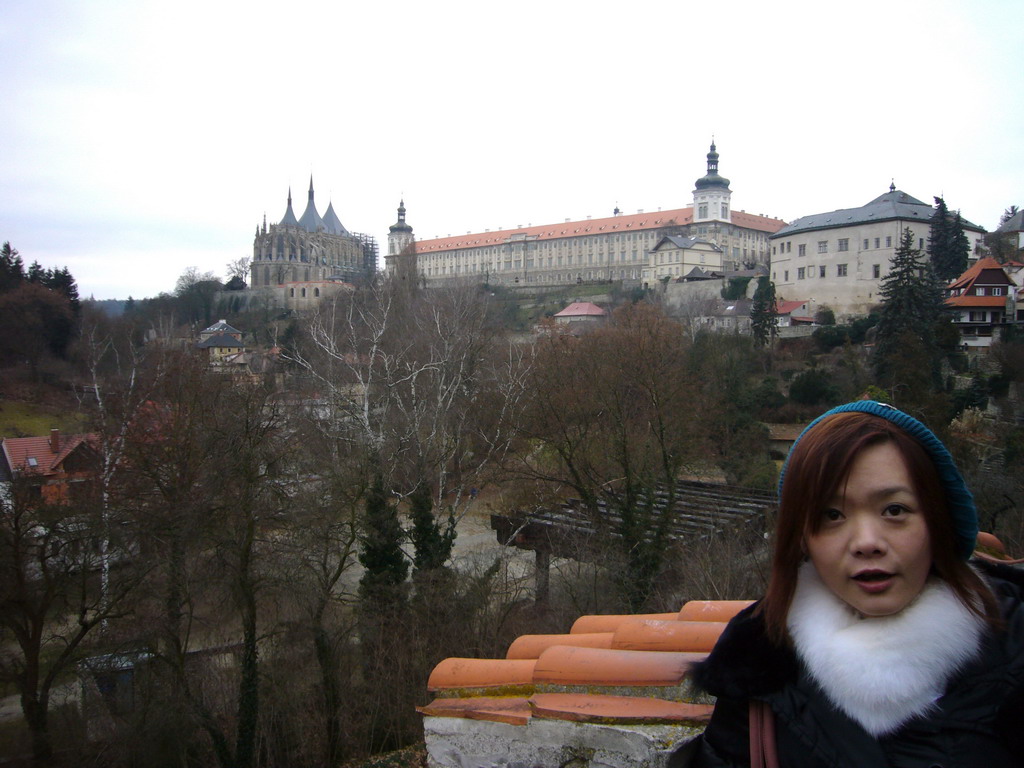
[764,322]
[912,306]
[381,586]
[12,270]
[948,247]
[432,544]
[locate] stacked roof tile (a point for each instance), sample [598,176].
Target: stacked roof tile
[609,672]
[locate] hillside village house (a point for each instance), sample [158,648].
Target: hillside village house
[615,248]
[675,257]
[983,299]
[57,467]
[839,259]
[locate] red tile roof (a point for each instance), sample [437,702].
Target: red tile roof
[582,309]
[974,271]
[19,450]
[788,307]
[997,302]
[632,222]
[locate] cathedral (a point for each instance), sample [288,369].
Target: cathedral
[299,260]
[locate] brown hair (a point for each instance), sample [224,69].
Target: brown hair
[818,464]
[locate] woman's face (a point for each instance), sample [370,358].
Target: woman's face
[873,549]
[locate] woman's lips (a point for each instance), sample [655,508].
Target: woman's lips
[873,581]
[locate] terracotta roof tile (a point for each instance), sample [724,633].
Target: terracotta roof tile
[481,673]
[565,665]
[676,636]
[532,646]
[610,622]
[498,709]
[712,610]
[18,451]
[622,709]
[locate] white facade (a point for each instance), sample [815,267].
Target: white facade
[614,248]
[674,257]
[838,259]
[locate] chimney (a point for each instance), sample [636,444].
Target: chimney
[55,440]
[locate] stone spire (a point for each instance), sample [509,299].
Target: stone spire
[311,220]
[289,219]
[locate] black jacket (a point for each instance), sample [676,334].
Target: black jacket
[979,720]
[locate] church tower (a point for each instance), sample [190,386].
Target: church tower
[401,259]
[712,198]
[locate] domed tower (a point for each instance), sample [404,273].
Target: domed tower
[401,259]
[399,233]
[712,198]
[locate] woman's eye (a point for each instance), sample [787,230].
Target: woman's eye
[894,510]
[832,515]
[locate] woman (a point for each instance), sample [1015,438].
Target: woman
[876,643]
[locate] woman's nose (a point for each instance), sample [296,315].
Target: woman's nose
[866,537]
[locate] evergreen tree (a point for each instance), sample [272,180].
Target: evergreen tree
[948,247]
[381,586]
[764,322]
[432,544]
[911,309]
[62,281]
[12,270]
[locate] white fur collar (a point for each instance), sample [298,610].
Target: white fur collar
[882,671]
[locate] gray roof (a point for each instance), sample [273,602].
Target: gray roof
[893,205]
[332,222]
[221,340]
[311,221]
[289,220]
[220,327]
[1013,224]
[685,242]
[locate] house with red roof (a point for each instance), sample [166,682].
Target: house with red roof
[792,313]
[57,467]
[983,299]
[581,312]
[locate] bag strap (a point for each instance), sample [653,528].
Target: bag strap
[763,751]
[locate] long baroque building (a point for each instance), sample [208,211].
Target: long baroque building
[300,260]
[615,248]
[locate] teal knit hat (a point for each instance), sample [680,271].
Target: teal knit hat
[958,497]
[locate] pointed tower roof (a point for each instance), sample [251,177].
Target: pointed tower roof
[400,225]
[289,220]
[311,220]
[712,179]
[332,222]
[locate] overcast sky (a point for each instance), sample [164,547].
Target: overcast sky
[141,138]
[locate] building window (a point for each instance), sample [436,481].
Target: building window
[878,243]
[800,273]
[702,210]
[821,271]
[801,250]
[979,291]
[789,247]
[316,293]
[920,243]
[888,241]
[785,277]
[840,270]
[823,246]
[865,243]
[997,291]
[844,244]
[977,317]
[725,211]
[292,292]
[876,271]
